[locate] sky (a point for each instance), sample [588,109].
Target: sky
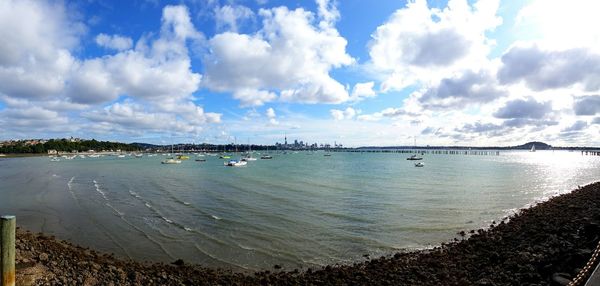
[359,73]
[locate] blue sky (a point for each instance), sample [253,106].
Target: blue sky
[358,72]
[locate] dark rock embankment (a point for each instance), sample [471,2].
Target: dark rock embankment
[547,244]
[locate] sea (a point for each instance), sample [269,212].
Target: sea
[297,210]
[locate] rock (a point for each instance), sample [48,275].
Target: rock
[178,262]
[561,279]
[43,257]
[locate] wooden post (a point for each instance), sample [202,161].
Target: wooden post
[7,250]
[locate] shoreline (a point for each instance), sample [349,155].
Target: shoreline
[545,244]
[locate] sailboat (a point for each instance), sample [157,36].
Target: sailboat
[415,156]
[532,148]
[266,156]
[249,155]
[171,160]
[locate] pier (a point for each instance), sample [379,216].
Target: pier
[590,152]
[424,151]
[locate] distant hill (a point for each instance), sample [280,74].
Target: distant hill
[144,146]
[538,146]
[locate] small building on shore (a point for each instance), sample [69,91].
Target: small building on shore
[52,152]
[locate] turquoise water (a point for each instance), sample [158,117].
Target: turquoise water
[296,210]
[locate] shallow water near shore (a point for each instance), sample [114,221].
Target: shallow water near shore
[296,210]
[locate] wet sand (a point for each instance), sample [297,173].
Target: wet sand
[547,244]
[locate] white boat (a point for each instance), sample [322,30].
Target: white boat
[94,156]
[266,157]
[171,161]
[414,157]
[246,159]
[235,163]
[532,148]
[419,164]
[121,156]
[139,155]
[327,155]
[54,159]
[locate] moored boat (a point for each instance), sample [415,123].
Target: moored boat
[235,163]
[171,161]
[414,157]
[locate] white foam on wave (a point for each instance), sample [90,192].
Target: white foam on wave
[134,194]
[215,217]
[99,190]
[117,212]
[187,228]
[148,205]
[70,183]
[186,203]
[166,219]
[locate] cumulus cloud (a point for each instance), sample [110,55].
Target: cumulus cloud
[37,68]
[288,55]
[579,125]
[520,108]
[159,71]
[348,113]
[460,91]
[386,113]
[363,90]
[115,42]
[34,53]
[587,105]
[270,113]
[544,69]
[121,117]
[557,24]
[419,43]
[487,128]
[32,119]
[229,17]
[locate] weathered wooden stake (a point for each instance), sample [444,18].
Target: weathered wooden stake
[7,250]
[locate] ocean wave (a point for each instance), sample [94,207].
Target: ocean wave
[99,190]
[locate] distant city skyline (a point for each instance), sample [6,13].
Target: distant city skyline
[364,73]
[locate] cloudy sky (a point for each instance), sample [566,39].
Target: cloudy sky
[357,72]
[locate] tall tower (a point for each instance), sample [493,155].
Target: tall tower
[285,135]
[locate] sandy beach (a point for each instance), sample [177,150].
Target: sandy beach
[547,244]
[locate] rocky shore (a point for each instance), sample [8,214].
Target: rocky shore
[547,244]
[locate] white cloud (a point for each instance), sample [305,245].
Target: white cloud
[561,24]
[288,55]
[348,113]
[115,42]
[160,71]
[270,113]
[551,69]
[272,116]
[363,90]
[460,91]
[37,68]
[34,51]
[126,116]
[419,43]
[229,17]
[389,112]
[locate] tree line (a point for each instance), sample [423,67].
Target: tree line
[65,145]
